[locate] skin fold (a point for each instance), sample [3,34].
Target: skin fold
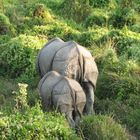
[73,61]
[63,96]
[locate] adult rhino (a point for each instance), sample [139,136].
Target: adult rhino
[71,60]
[66,95]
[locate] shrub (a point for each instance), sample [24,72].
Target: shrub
[107,57]
[123,40]
[1,6]
[91,36]
[5,25]
[99,3]
[76,9]
[122,16]
[21,97]
[117,87]
[39,11]
[19,55]
[102,127]
[96,18]
[135,28]
[42,12]
[7,86]
[31,123]
[55,29]
[4,39]
[126,112]
[34,124]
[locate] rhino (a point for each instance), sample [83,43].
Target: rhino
[72,60]
[63,94]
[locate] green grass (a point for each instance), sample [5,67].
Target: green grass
[111,33]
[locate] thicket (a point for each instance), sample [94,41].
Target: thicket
[32,123]
[76,9]
[102,127]
[110,29]
[5,25]
[18,57]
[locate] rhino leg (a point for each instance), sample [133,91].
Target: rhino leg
[45,104]
[68,114]
[89,91]
[69,117]
[77,118]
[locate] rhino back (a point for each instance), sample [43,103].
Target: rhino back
[47,53]
[66,61]
[47,83]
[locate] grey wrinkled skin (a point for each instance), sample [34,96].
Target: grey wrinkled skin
[64,94]
[73,61]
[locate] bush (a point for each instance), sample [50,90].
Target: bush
[19,55]
[122,16]
[5,25]
[123,40]
[91,37]
[102,127]
[7,86]
[99,3]
[34,124]
[108,57]
[56,29]
[76,9]
[31,123]
[4,39]
[96,18]
[135,28]
[126,112]
[114,86]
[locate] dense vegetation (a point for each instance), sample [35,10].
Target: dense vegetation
[110,29]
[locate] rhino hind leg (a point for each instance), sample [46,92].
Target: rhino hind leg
[89,91]
[67,110]
[69,117]
[45,105]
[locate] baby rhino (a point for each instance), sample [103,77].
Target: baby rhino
[64,94]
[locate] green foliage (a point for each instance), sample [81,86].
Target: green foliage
[123,16]
[124,40]
[115,86]
[1,6]
[90,37]
[21,97]
[31,123]
[34,124]
[97,17]
[41,12]
[91,23]
[5,25]
[126,112]
[4,39]
[99,3]
[76,9]
[102,127]
[135,28]
[19,55]
[56,29]
[7,86]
